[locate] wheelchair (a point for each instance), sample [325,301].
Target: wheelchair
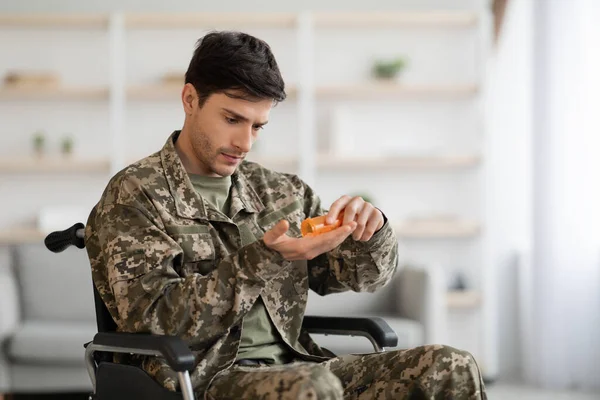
[113,381]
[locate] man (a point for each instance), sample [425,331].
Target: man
[194,241]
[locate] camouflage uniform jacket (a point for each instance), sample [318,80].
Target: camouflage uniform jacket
[165,262]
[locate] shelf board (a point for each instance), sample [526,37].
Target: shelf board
[26,235]
[169,91]
[379,89]
[433,19]
[437,229]
[53,21]
[384,19]
[52,165]
[467,299]
[397,162]
[155,92]
[274,162]
[15,236]
[204,20]
[53,93]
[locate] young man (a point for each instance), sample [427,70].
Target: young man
[196,242]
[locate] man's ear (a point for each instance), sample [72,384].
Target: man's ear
[189,98]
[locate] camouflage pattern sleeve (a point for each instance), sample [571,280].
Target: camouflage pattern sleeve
[358,266]
[141,263]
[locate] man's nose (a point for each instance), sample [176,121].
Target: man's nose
[244,139]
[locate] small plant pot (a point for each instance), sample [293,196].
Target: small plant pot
[388,69]
[66,146]
[39,143]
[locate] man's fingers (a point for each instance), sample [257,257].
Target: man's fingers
[375,223]
[280,228]
[307,247]
[276,232]
[340,235]
[352,209]
[362,220]
[332,239]
[336,208]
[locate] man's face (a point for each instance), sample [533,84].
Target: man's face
[223,130]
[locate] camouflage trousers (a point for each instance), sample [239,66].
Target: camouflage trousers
[427,372]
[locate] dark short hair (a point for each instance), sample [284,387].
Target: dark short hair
[227,60]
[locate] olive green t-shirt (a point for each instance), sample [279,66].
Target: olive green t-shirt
[259,339]
[214,190]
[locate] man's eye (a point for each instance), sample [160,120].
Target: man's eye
[231,120]
[258,127]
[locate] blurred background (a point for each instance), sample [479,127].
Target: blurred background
[472,124]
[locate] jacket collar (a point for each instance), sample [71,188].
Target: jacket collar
[188,203]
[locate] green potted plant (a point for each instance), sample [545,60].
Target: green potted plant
[39,142]
[389,69]
[66,145]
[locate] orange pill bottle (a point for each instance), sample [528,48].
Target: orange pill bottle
[316,226]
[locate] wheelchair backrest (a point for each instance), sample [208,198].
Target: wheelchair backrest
[104,320]
[74,236]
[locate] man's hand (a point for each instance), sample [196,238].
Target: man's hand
[305,248]
[368,219]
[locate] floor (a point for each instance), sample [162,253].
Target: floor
[500,391]
[70,396]
[496,391]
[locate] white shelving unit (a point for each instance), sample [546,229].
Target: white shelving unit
[397,162]
[421,19]
[53,165]
[195,20]
[305,93]
[168,91]
[438,229]
[154,92]
[53,93]
[13,236]
[464,300]
[78,21]
[378,89]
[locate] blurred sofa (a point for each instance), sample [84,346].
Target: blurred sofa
[413,304]
[47,314]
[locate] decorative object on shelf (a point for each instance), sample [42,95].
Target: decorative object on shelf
[460,282]
[23,79]
[66,146]
[389,69]
[39,143]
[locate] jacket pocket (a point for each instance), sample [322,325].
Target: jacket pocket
[292,212]
[126,266]
[198,252]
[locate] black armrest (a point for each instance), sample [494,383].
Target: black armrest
[372,327]
[172,348]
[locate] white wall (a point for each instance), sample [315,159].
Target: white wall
[566,256]
[543,123]
[510,182]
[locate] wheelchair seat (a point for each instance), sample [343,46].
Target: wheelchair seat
[119,381]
